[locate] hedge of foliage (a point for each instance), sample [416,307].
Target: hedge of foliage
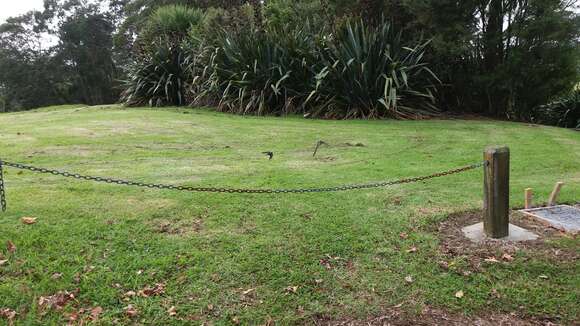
[351,71]
[563,112]
[302,60]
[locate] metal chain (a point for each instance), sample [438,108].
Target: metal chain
[238,190]
[2,190]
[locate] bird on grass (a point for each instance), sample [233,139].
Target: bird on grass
[270,154]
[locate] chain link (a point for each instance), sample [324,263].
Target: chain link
[238,190]
[2,189]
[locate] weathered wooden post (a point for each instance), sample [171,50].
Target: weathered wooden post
[528,198]
[496,192]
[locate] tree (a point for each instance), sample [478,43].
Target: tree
[86,48]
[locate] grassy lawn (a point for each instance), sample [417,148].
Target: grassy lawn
[250,259]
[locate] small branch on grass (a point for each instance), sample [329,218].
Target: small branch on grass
[318,144]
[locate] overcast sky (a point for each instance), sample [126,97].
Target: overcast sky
[11,8]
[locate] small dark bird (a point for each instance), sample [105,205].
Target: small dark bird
[270,154]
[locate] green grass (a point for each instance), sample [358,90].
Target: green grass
[220,245]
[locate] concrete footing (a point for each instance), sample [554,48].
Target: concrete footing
[476,233]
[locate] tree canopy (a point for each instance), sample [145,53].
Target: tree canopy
[495,57]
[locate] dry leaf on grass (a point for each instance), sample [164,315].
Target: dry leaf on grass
[3,262]
[56,301]
[131,311]
[491,260]
[158,289]
[507,257]
[248,291]
[10,246]
[28,220]
[96,312]
[459,294]
[7,313]
[56,276]
[171,311]
[403,235]
[412,249]
[291,289]
[130,294]
[409,279]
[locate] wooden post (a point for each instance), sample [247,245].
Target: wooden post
[496,192]
[529,195]
[555,193]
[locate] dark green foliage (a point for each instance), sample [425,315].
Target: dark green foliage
[159,75]
[370,73]
[77,69]
[564,112]
[264,73]
[500,58]
[157,79]
[360,73]
[86,48]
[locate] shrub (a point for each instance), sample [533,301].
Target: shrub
[359,73]
[159,79]
[564,112]
[159,75]
[260,73]
[370,73]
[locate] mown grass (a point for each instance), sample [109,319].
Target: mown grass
[211,248]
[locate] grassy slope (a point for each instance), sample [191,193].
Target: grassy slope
[226,244]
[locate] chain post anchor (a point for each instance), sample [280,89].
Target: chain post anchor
[2,188]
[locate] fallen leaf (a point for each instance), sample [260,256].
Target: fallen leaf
[412,249]
[291,289]
[398,305]
[95,312]
[139,272]
[210,307]
[248,291]
[10,246]
[171,311]
[88,269]
[403,235]
[236,320]
[459,294]
[7,313]
[2,262]
[56,301]
[491,259]
[409,279]
[56,276]
[28,220]
[130,294]
[158,289]
[131,311]
[545,277]
[318,281]
[507,257]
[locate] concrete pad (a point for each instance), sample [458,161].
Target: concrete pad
[476,233]
[563,217]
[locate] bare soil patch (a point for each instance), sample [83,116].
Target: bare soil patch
[454,244]
[432,316]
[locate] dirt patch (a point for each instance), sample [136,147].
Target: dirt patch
[432,316]
[454,244]
[177,227]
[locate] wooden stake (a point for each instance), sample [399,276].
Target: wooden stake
[555,193]
[529,195]
[496,192]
